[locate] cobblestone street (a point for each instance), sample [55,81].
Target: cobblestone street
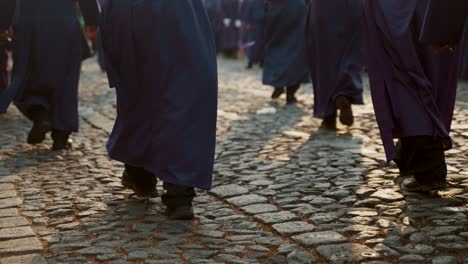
[285,191]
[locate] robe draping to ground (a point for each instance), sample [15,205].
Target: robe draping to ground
[166,83]
[47,59]
[285,62]
[413,87]
[231,23]
[335,52]
[253,37]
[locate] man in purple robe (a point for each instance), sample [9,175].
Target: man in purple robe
[161,58]
[47,59]
[334,51]
[285,64]
[231,24]
[413,88]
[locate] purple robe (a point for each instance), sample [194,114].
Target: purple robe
[230,27]
[47,59]
[334,52]
[413,87]
[3,69]
[463,62]
[285,62]
[166,83]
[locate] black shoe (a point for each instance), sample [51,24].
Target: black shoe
[346,112]
[178,200]
[329,122]
[401,160]
[142,182]
[41,125]
[412,185]
[277,93]
[249,65]
[291,94]
[61,140]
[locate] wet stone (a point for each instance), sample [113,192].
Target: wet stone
[319,238]
[411,258]
[226,191]
[14,221]
[247,200]
[444,260]
[291,228]
[259,208]
[16,232]
[347,253]
[273,218]
[388,195]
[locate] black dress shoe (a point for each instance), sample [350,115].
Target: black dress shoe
[412,185]
[291,94]
[142,182]
[178,200]
[277,93]
[61,140]
[329,122]
[346,111]
[41,125]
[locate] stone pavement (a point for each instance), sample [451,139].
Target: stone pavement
[285,192]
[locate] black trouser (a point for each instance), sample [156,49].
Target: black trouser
[422,156]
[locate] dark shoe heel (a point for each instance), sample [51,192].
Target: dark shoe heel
[61,140]
[140,181]
[346,111]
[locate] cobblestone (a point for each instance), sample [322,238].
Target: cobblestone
[285,191]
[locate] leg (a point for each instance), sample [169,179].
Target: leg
[178,200]
[277,92]
[426,161]
[291,93]
[329,122]
[41,124]
[61,139]
[346,112]
[139,180]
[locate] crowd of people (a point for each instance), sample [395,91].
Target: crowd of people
[161,58]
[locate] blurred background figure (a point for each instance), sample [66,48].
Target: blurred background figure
[214,14]
[413,88]
[253,14]
[47,59]
[6,16]
[231,24]
[285,64]
[334,52]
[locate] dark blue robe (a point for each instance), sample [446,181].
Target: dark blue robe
[214,14]
[166,83]
[230,24]
[413,87]
[444,21]
[285,62]
[463,50]
[253,13]
[334,50]
[3,69]
[47,56]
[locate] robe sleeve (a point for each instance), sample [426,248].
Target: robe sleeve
[90,11]
[444,22]
[7,11]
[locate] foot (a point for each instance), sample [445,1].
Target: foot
[291,94]
[180,212]
[41,126]
[143,184]
[61,140]
[346,112]
[249,65]
[277,93]
[329,122]
[412,185]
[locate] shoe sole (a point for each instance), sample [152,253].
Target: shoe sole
[138,192]
[346,112]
